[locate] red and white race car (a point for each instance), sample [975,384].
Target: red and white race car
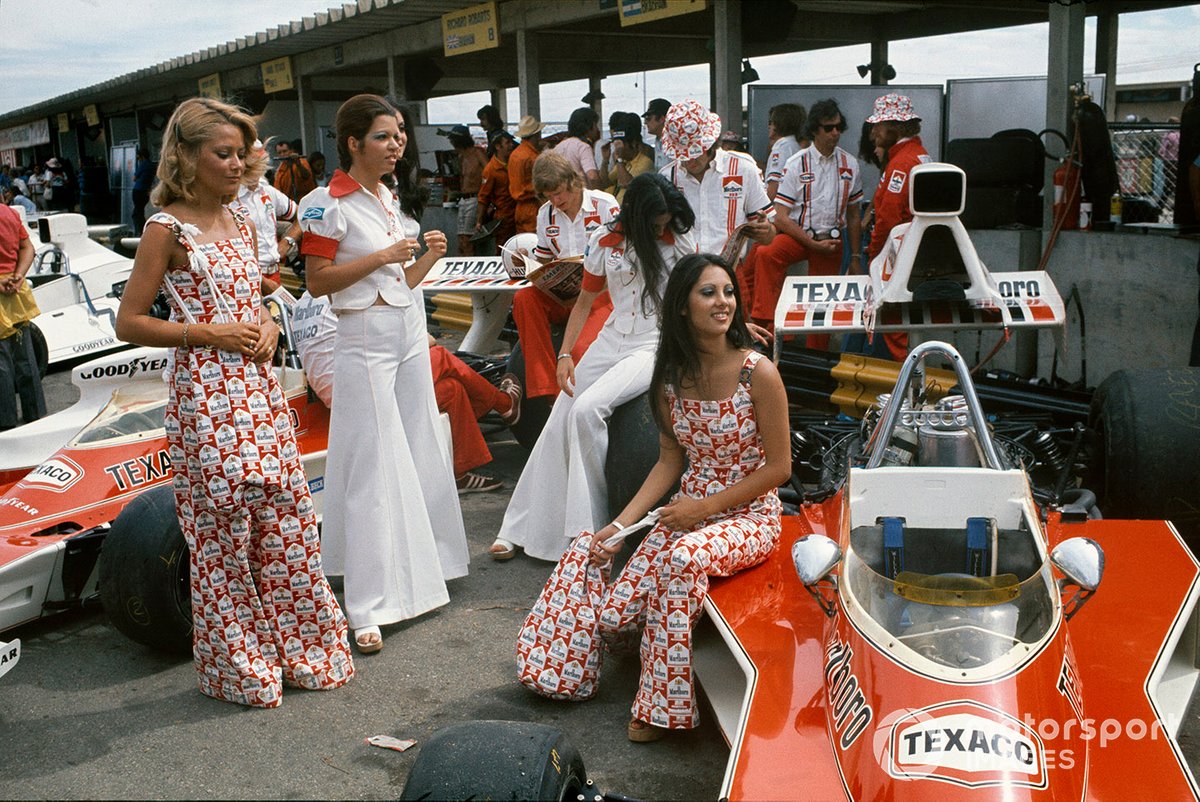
[933,625]
[97,515]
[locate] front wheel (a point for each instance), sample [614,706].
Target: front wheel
[497,760]
[145,574]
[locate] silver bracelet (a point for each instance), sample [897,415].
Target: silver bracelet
[620,526]
[563,356]
[185,330]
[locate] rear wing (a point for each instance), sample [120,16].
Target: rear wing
[928,277]
[830,304]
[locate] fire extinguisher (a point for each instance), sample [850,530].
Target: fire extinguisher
[1066,194]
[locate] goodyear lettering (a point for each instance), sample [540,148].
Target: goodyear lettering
[83,348]
[20,505]
[827,292]
[1028,288]
[131,368]
[140,470]
[849,708]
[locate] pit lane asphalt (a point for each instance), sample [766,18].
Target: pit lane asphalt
[89,714]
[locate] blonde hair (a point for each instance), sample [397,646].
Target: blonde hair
[194,123]
[551,170]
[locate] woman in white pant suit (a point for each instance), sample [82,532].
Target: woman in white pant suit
[562,491]
[392,521]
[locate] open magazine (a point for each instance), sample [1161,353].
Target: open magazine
[735,245]
[561,279]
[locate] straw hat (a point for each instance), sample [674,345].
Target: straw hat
[529,126]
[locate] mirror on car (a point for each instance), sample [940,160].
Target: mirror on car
[1081,560]
[814,557]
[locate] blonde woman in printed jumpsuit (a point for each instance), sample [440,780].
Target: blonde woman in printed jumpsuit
[263,613]
[392,522]
[722,415]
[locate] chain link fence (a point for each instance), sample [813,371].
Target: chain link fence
[1147,157]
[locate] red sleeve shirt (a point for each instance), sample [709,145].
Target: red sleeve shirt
[12,231]
[891,196]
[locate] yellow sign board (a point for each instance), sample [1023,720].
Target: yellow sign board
[635,12]
[64,121]
[277,75]
[92,114]
[210,86]
[470,29]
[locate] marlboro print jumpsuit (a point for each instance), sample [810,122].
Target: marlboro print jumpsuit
[666,579]
[262,610]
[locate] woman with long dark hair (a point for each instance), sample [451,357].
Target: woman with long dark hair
[723,434]
[262,610]
[562,490]
[388,477]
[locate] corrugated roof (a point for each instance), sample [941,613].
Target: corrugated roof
[336,25]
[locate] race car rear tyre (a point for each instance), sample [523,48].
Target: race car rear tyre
[632,451]
[145,582]
[534,411]
[1148,422]
[497,760]
[41,351]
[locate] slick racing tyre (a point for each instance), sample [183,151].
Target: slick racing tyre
[1148,424]
[632,451]
[497,760]
[41,351]
[145,581]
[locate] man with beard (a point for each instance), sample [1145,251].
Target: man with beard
[895,129]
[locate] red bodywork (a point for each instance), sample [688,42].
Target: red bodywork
[830,716]
[82,488]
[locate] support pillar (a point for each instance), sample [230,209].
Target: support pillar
[395,77]
[727,63]
[307,109]
[1064,68]
[1106,61]
[499,99]
[594,90]
[879,62]
[528,73]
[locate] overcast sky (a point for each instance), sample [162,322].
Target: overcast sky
[52,47]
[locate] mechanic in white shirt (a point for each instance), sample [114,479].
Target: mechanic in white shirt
[817,209]
[785,125]
[266,206]
[723,187]
[564,223]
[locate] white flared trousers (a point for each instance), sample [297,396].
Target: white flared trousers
[562,491]
[392,525]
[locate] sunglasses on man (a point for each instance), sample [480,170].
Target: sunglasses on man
[829,127]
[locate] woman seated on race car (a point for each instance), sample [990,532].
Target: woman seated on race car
[722,414]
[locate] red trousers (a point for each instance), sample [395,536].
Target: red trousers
[764,269]
[465,396]
[534,311]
